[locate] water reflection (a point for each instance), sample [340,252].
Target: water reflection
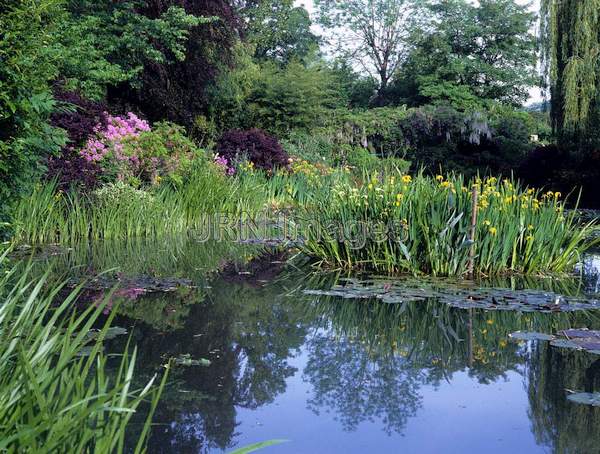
[324,368]
[557,423]
[248,343]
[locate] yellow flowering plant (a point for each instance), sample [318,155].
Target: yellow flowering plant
[519,230]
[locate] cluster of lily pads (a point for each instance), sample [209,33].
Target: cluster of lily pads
[577,339]
[455,293]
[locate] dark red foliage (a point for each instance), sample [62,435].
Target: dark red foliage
[80,122]
[73,171]
[255,145]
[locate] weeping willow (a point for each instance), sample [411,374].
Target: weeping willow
[570,32]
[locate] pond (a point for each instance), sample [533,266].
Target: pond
[269,350]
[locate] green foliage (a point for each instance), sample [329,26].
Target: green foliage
[362,160]
[395,223]
[310,146]
[165,154]
[278,30]
[122,197]
[379,31]
[55,392]
[456,95]
[376,129]
[89,45]
[28,62]
[294,97]
[228,97]
[119,211]
[104,43]
[470,55]
[570,32]
[355,89]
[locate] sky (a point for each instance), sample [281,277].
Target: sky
[535,94]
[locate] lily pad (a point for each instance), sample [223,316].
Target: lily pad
[592,399]
[87,350]
[111,333]
[581,334]
[565,343]
[521,335]
[456,294]
[115,331]
[187,361]
[140,284]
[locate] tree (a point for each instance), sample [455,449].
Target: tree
[472,54]
[294,97]
[28,63]
[570,31]
[278,30]
[105,43]
[373,33]
[355,89]
[175,88]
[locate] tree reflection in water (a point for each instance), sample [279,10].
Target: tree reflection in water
[563,426]
[249,336]
[365,360]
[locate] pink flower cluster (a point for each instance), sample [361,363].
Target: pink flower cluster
[111,137]
[224,164]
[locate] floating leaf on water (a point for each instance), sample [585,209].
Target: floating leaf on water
[585,398]
[139,284]
[115,331]
[590,345]
[257,446]
[565,343]
[87,350]
[187,361]
[583,333]
[111,333]
[521,335]
[459,294]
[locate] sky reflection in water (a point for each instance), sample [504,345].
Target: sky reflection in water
[340,375]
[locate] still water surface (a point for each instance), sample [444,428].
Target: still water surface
[338,375]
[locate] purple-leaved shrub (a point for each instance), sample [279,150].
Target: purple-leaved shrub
[255,146]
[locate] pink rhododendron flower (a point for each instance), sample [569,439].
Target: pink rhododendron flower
[111,137]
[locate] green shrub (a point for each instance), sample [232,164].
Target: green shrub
[122,196]
[310,147]
[28,55]
[362,161]
[375,129]
[359,158]
[128,149]
[290,98]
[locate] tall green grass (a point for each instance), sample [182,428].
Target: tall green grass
[48,216]
[121,212]
[396,223]
[55,394]
[415,225]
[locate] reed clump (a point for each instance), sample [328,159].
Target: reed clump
[399,223]
[55,391]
